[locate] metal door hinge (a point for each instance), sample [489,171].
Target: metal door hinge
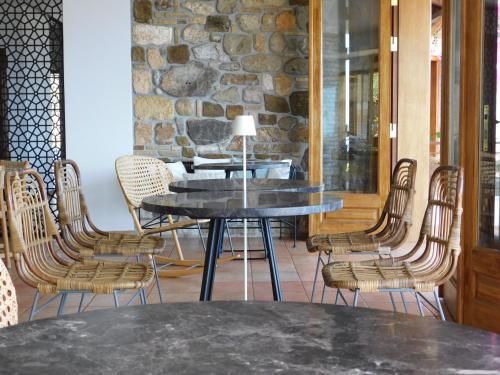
[393,130]
[394,43]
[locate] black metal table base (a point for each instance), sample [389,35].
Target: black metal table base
[214,249]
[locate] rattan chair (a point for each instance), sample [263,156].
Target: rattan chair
[389,232]
[431,262]
[141,177]
[42,265]
[8,300]
[7,165]
[82,235]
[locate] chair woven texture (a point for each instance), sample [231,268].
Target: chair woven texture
[391,229]
[8,300]
[434,258]
[43,266]
[79,231]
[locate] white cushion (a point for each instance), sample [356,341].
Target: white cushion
[177,169]
[282,173]
[204,175]
[197,160]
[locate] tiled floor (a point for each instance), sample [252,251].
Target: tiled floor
[296,267]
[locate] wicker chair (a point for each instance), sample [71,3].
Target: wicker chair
[80,233]
[43,266]
[141,177]
[7,165]
[429,264]
[389,232]
[8,300]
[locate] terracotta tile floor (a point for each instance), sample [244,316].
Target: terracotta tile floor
[296,270]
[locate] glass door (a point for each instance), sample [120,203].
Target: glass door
[350,64]
[481,305]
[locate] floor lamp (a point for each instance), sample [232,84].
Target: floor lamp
[244,126]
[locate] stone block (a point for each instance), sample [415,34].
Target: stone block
[239,79]
[164,134]
[219,23]
[260,63]
[155,59]
[287,122]
[184,107]
[226,6]
[249,23]
[233,110]
[141,81]
[195,34]
[259,42]
[299,133]
[206,52]
[212,110]
[299,103]
[153,108]
[143,134]
[237,44]
[208,131]
[182,140]
[283,85]
[199,7]
[266,119]
[296,66]
[276,104]
[143,11]
[193,79]
[252,95]
[149,34]
[230,95]
[277,42]
[178,54]
[286,21]
[138,54]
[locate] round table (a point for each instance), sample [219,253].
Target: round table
[252,165]
[253,184]
[220,206]
[245,338]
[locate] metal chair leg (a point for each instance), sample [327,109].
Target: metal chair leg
[201,236]
[356,295]
[157,278]
[315,276]
[115,297]
[324,285]
[60,310]
[295,231]
[337,296]
[342,296]
[419,304]
[404,302]
[393,303]
[33,306]
[438,303]
[229,237]
[81,302]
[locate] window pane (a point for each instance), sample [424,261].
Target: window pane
[350,95]
[489,147]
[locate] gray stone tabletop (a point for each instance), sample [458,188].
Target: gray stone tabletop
[230,204]
[245,338]
[253,184]
[238,166]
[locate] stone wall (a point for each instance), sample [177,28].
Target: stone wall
[199,63]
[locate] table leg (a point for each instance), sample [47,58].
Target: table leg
[213,244]
[273,265]
[228,174]
[254,173]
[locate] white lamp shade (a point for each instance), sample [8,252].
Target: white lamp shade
[244,125]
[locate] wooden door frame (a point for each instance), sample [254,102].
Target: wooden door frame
[474,257]
[316,106]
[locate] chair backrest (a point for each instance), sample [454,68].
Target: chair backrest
[70,202]
[398,209]
[440,230]
[141,177]
[8,299]
[32,228]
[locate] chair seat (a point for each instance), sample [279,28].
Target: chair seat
[371,276]
[100,277]
[342,243]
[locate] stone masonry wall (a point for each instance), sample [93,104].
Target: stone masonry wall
[199,63]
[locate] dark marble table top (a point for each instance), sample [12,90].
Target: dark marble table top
[230,204]
[238,166]
[245,338]
[253,184]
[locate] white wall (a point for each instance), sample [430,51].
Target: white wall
[98,93]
